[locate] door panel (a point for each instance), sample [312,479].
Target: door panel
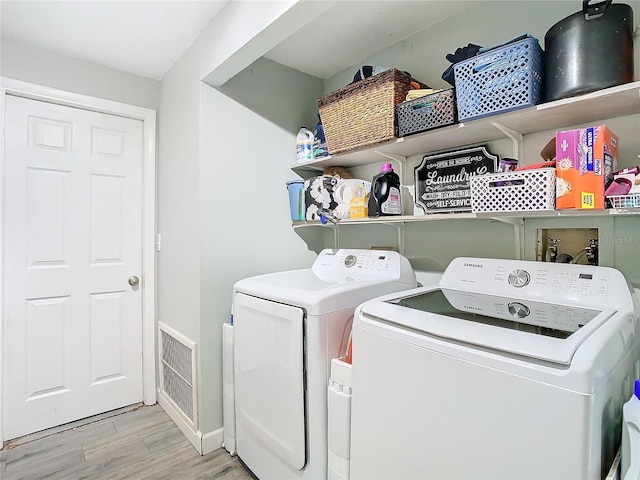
[73,228]
[269,379]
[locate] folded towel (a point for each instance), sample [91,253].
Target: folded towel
[413,94]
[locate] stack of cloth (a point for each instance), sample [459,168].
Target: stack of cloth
[417,93]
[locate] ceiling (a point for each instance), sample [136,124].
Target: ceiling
[147,37]
[353,30]
[141,37]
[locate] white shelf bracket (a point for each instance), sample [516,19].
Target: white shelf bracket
[401,233]
[401,237]
[516,138]
[336,235]
[518,234]
[391,156]
[400,160]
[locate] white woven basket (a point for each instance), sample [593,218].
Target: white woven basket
[624,201]
[523,190]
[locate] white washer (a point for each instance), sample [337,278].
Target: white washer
[506,369]
[287,328]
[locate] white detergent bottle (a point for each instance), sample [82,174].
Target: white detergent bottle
[630,459]
[304,145]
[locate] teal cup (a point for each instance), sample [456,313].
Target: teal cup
[296,199]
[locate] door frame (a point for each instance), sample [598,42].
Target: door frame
[32,91]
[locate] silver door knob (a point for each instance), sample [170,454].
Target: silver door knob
[134,281]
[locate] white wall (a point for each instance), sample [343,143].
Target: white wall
[209,168]
[245,224]
[43,67]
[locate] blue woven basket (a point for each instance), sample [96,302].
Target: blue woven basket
[500,80]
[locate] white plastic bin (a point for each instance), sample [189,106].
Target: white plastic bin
[339,420]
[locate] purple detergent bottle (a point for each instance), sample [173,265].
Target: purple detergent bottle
[384,198]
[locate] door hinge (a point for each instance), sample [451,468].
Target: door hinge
[158,242]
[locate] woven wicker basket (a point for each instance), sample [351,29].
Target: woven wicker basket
[362,114]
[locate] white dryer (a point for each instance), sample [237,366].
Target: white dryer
[287,328]
[504,370]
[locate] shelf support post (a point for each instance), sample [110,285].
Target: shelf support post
[401,237]
[516,138]
[518,234]
[402,161]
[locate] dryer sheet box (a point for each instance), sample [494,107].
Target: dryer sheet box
[585,161]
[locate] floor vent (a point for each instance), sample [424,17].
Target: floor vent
[178,372]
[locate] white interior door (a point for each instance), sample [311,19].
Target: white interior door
[73,223]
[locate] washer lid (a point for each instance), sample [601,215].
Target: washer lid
[545,331]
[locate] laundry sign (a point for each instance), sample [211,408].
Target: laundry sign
[442,180]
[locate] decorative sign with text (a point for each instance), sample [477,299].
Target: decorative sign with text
[442,180]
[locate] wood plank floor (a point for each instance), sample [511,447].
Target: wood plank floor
[135,443]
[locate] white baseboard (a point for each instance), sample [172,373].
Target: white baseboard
[212,441]
[193,436]
[203,443]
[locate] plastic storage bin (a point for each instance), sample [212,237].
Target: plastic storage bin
[514,191]
[424,113]
[625,201]
[296,200]
[499,80]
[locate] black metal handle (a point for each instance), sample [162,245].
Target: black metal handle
[596,10]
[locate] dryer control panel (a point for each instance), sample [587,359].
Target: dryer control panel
[560,282]
[362,264]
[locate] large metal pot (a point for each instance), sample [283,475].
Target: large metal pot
[589,50]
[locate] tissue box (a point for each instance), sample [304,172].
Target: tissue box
[585,161]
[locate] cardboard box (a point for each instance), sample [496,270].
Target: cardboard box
[359,207]
[585,161]
[548,152]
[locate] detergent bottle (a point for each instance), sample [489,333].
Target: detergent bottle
[384,198]
[320,149]
[304,145]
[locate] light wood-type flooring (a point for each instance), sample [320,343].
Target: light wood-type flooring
[134,443]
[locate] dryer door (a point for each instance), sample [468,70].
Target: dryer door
[269,380]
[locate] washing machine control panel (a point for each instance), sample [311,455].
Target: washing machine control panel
[519,278]
[583,284]
[566,318]
[362,263]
